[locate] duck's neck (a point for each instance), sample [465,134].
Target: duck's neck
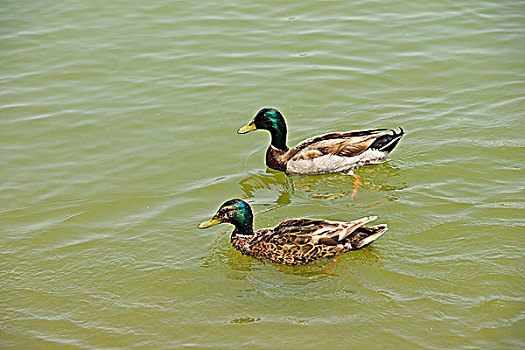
[243,229]
[243,222]
[278,133]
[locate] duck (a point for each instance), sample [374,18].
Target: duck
[294,241]
[328,153]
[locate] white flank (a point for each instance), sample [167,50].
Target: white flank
[333,163]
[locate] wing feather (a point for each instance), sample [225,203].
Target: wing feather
[344,144]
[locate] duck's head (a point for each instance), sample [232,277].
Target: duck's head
[236,212]
[272,120]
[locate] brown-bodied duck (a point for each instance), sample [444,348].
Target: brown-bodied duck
[294,241]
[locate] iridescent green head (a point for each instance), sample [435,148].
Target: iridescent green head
[272,120]
[236,212]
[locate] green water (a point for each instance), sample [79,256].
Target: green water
[118,135]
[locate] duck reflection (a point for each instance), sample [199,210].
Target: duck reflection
[237,266]
[381,177]
[270,181]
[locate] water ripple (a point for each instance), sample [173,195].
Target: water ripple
[118,131]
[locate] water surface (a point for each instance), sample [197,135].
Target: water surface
[117,130]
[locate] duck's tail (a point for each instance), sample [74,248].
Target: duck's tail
[366,235]
[387,142]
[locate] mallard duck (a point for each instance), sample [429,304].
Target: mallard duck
[294,241]
[328,153]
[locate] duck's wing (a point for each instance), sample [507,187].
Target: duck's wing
[303,231]
[316,231]
[344,144]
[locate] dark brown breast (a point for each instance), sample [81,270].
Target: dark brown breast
[274,159]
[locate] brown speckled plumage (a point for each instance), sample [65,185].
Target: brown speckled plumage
[295,241]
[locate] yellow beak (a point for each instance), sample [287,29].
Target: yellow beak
[212,222]
[247,128]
